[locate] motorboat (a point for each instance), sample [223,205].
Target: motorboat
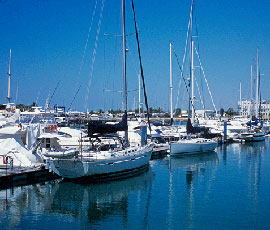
[253,136]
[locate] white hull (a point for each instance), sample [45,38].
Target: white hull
[192,146]
[101,169]
[252,137]
[160,148]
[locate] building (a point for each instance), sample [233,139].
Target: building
[205,113]
[246,108]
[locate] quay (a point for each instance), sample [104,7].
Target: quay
[84,120]
[24,176]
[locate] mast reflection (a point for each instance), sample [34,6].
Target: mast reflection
[96,202]
[194,166]
[254,154]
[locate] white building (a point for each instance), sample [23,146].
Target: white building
[205,113]
[245,108]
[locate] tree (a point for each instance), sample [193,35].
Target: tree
[177,112]
[34,104]
[230,112]
[221,112]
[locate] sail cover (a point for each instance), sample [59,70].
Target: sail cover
[98,128]
[189,127]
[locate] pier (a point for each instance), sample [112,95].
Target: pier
[24,176]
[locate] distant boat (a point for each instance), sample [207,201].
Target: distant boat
[253,136]
[254,132]
[192,145]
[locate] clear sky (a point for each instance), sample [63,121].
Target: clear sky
[48,37]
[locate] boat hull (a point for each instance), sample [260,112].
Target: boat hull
[97,170]
[253,137]
[187,147]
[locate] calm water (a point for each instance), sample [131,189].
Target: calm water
[229,189]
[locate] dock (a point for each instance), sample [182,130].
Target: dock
[24,176]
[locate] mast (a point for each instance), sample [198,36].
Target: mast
[124,63]
[9,74]
[139,80]
[251,92]
[241,110]
[192,84]
[171,87]
[257,84]
[192,65]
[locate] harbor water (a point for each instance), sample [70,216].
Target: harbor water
[226,189]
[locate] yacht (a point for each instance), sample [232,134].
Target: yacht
[253,136]
[105,159]
[102,161]
[15,138]
[191,143]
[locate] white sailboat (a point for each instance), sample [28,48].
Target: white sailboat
[254,134]
[119,160]
[192,145]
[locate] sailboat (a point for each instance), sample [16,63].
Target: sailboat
[191,144]
[107,161]
[254,134]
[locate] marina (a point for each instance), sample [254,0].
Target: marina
[124,115]
[226,189]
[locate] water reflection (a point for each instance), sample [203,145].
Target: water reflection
[95,202]
[253,148]
[15,202]
[223,150]
[186,192]
[193,163]
[194,166]
[90,204]
[254,154]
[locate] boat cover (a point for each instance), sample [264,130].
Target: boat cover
[96,127]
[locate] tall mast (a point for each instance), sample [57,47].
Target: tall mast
[139,80]
[192,84]
[257,84]
[241,110]
[251,92]
[171,87]
[124,63]
[9,74]
[192,65]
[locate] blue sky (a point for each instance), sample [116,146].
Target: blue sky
[47,39]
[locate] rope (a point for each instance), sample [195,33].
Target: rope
[183,61]
[94,55]
[141,67]
[74,98]
[206,80]
[181,72]
[200,95]
[83,56]
[53,93]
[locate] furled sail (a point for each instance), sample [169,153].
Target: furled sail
[99,128]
